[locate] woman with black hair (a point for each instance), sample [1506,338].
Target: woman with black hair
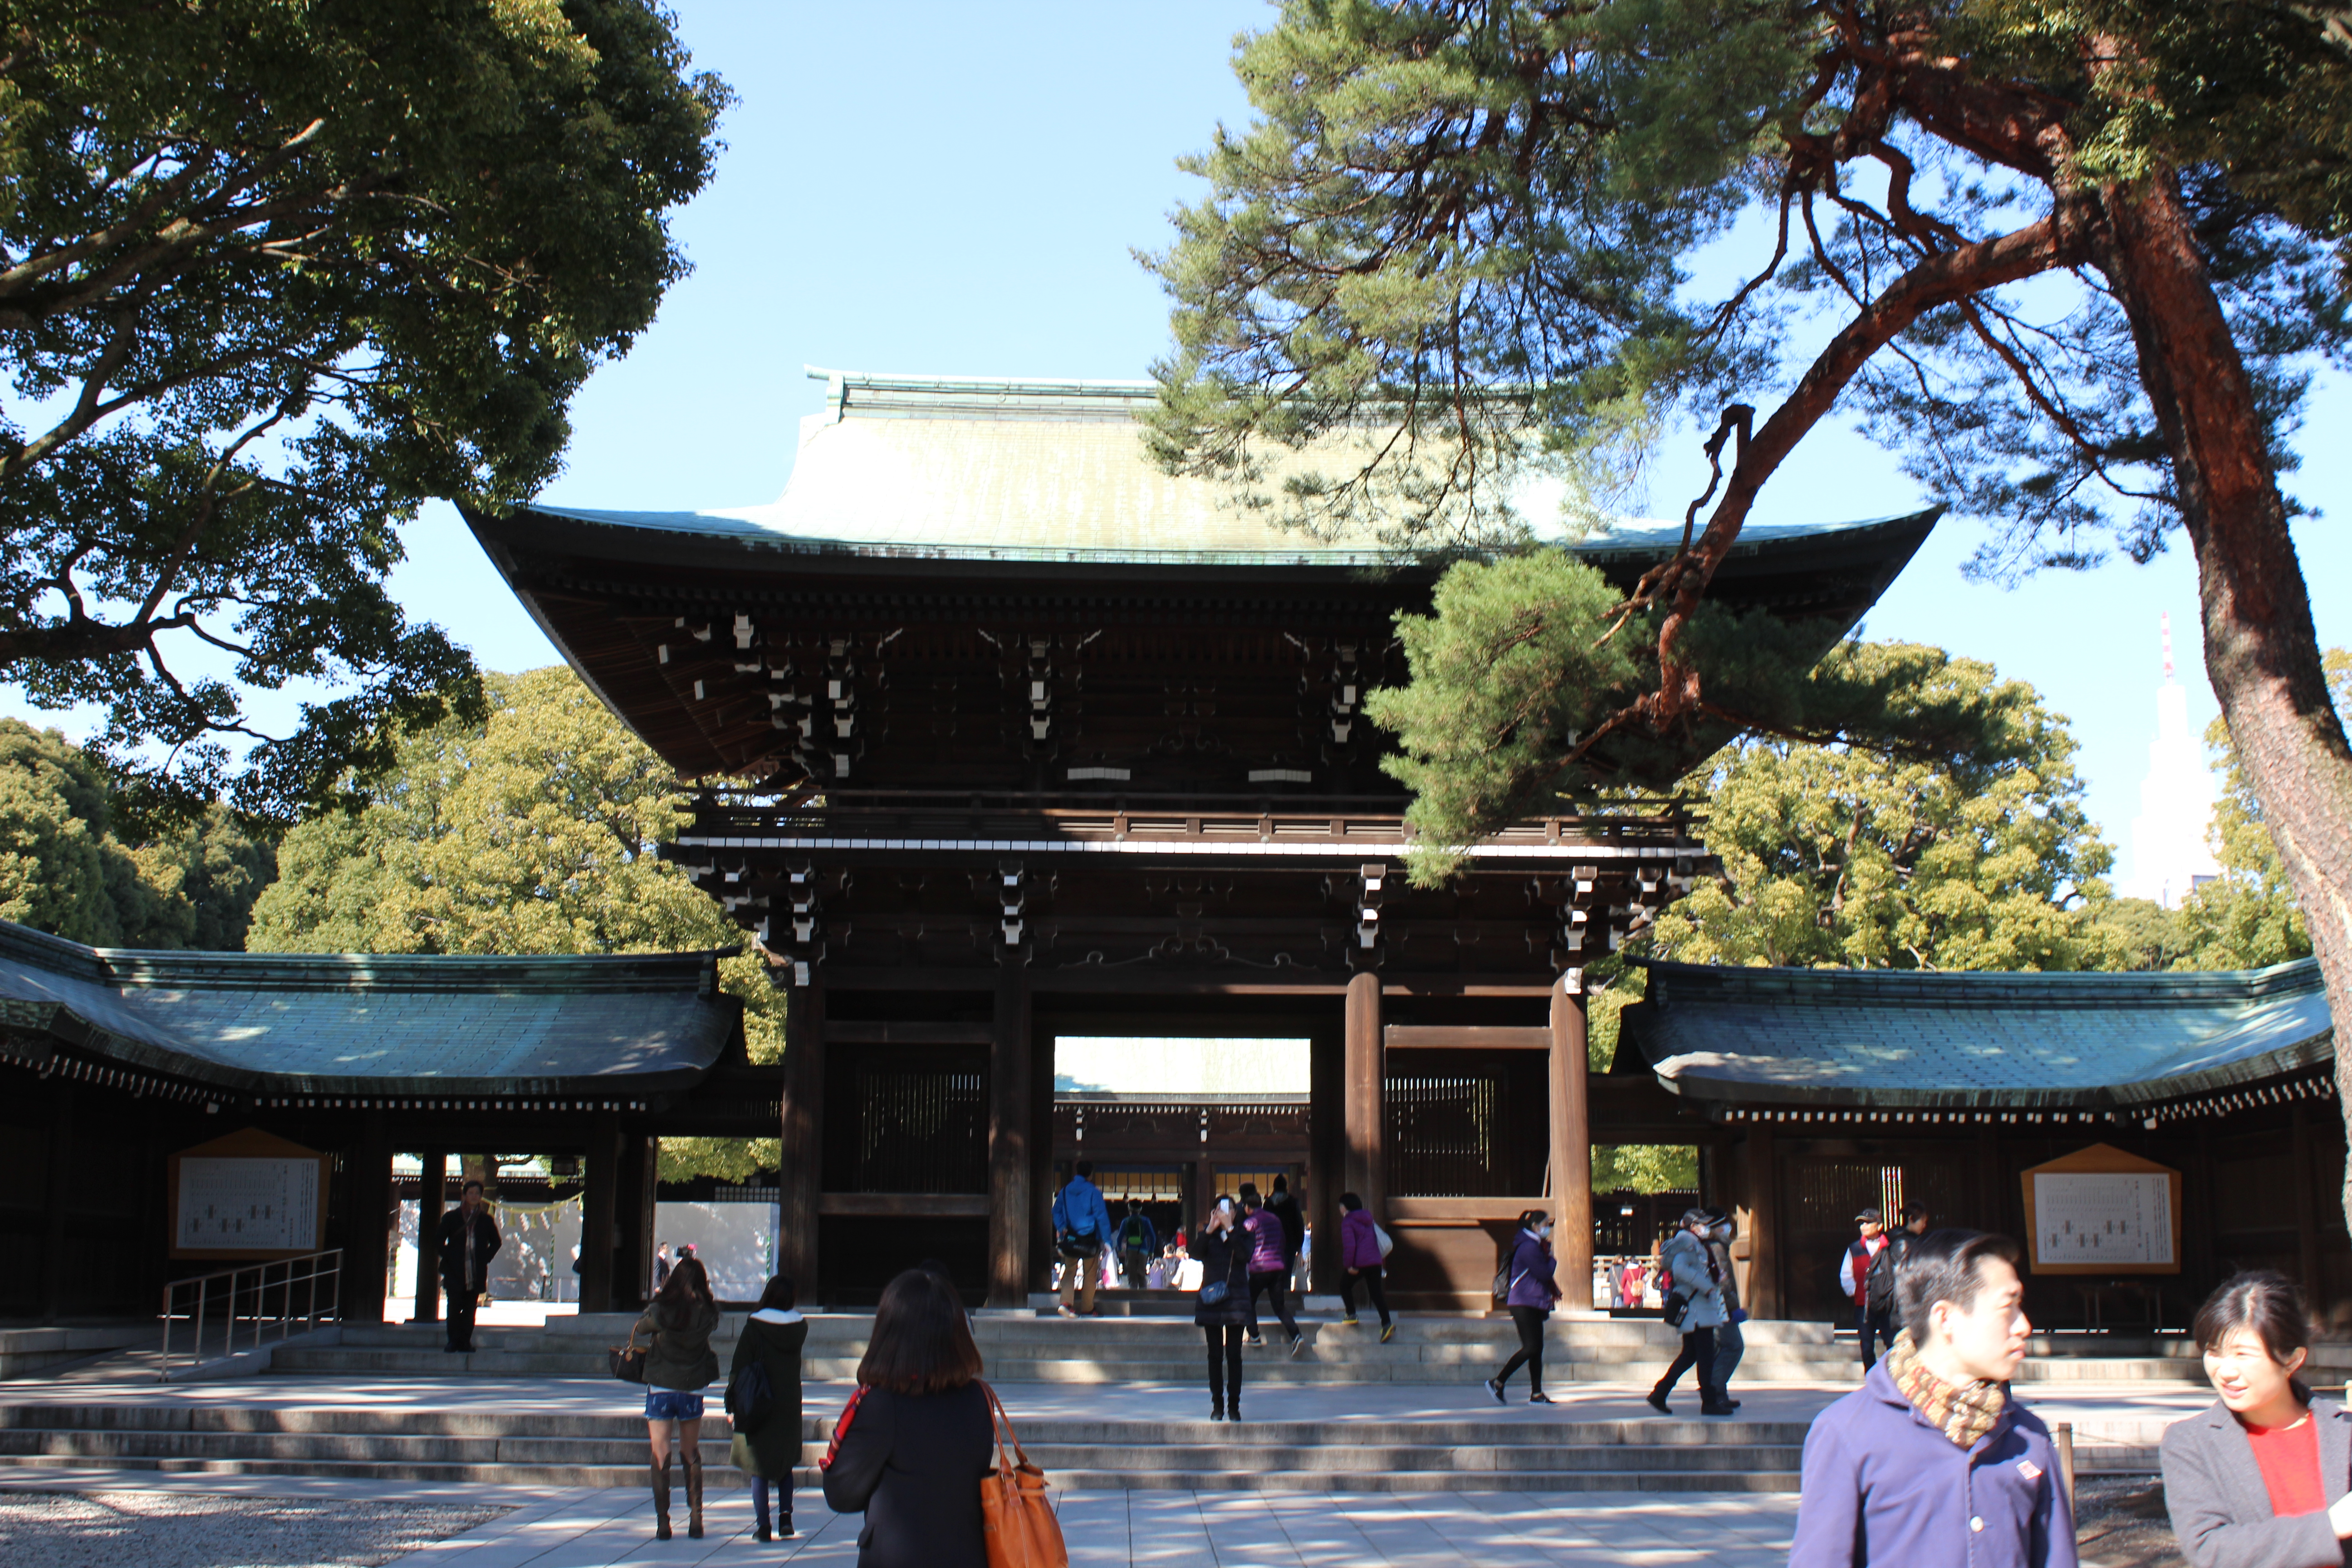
[2263,1479]
[1530,1287]
[678,1368]
[1222,1307]
[772,1341]
[910,1451]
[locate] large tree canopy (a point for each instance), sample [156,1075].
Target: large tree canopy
[271,273]
[2074,258]
[534,830]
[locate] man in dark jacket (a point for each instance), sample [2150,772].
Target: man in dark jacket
[468,1240]
[1930,1464]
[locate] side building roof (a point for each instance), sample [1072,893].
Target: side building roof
[1902,1038]
[371,1024]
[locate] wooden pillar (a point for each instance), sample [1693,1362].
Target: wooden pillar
[2306,1211]
[1041,1158]
[1763,1297]
[368,1248]
[1011,1108]
[1571,1143]
[1327,1146]
[599,1199]
[800,1176]
[55,1279]
[431,1196]
[1364,1166]
[632,1221]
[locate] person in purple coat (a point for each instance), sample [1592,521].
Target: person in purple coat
[1930,1464]
[1528,1291]
[1360,1263]
[1269,1266]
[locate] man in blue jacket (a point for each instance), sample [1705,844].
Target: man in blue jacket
[1081,1235]
[1930,1464]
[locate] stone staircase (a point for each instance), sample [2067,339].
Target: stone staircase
[1079,1455]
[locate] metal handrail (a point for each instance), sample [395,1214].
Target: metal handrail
[193,1299]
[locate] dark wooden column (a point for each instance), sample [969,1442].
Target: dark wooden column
[1364,1167]
[599,1199]
[1327,1150]
[369,1204]
[1041,1157]
[1763,1297]
[2306,1210]
[1571,1143]
[632,1221]
[800,1177]
[432,1194]
[59,1179]
[1012,1108]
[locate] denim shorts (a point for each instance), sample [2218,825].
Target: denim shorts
[672,1404]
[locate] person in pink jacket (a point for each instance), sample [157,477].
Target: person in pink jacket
[1361,1261]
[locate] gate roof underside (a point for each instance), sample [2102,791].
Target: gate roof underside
[1887,1037]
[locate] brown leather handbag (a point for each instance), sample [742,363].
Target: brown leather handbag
[1016,1517]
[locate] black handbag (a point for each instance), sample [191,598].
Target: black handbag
[1677,1309]
[1078,1243]
[629,1364]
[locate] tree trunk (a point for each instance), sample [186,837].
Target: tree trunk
[2261,650]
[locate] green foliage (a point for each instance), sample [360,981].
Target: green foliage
[1644,1168]
[2139,934]
[271,274]
[63,869]
[532,831]
[1835,857]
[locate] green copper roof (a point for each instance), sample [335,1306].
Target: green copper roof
[352,1022]
[1903,1038]
[1044,470]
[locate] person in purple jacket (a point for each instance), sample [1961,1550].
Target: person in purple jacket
[1360,1263]
[1930,1464]
[1528,1291]
[1269,1266]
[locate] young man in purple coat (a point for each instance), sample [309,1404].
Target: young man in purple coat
[1930,1464]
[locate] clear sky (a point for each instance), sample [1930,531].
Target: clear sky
[954,189]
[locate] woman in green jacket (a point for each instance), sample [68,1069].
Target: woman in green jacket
[680,1365]
[772,1341]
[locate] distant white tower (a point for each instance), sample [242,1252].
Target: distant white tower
[2170,853]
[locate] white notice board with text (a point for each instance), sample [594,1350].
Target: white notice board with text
[2103,1219]
[247,1204]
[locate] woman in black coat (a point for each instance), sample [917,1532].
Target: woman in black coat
[910,1451]
[772,1341]
[1223,1249]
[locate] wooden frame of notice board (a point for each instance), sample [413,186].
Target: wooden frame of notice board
[2126,1212]
[276,1174]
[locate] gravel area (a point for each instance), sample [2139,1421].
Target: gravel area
[178,1530]
[2120,1523]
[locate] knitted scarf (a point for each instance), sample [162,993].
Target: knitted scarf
[1963,1412]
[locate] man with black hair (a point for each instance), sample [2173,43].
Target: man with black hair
[1930,1464]
[1081,1235]
[1881,1296]
[468,1240]
[1872,1326]
[1139,1243]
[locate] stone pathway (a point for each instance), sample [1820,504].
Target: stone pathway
[192,1530]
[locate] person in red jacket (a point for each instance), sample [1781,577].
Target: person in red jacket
[1854,1279]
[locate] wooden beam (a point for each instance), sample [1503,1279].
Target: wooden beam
[432,1192]
[1009,1107]
[903,1205]
[800,1173]
[1464,1211]
[598,1198]
[1327,1082]
[56,1281]
[370,1220]
[1765,1295]
[2306,1209]
[1572,1142]
[1040,1151]
[1465,1038]
[632,1221]
[868,1032]
[1365,1166]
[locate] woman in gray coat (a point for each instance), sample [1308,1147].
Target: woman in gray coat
[772,1339]
[2263,1479]
[679,1367]
[1698,1291]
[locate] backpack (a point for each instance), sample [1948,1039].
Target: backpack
[750,1398]
[1878,1294]
[1131,1234]
[1504,1278]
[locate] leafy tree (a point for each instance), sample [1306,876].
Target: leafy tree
[2140,933]
[63,871]
[1838,856]
[271,274]
[1460,239]
[533,830]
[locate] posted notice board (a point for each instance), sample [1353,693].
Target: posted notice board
[248,1196]
[2102,1211]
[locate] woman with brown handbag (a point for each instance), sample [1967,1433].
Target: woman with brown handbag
[912,1448]
[680,1367]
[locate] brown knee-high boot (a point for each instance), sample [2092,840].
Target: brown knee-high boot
[661,1501]
[693,1495]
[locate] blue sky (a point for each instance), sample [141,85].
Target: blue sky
[957,190]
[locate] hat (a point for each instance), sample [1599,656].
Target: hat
[1868,1216]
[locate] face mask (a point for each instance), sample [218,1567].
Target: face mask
[1544,1231]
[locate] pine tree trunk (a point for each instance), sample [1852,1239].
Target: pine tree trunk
[2261,650]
